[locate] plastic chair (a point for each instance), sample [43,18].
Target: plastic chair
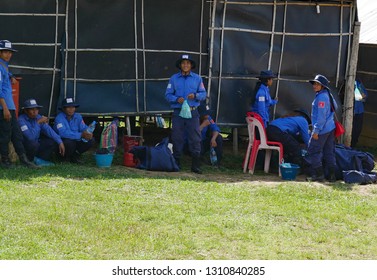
[254,121]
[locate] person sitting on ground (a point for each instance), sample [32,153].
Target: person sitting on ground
[9,129]
[73,131]
[211,136]
[288,131]
[39,139]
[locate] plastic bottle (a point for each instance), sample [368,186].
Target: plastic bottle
[213,156]
[90,129]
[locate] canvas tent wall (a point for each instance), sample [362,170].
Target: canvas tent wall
[115,57]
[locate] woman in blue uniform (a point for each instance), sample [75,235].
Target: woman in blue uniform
[262,100]
[293,132]
[321,147]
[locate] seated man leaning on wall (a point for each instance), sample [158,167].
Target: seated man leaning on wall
[39,139]
[73,131]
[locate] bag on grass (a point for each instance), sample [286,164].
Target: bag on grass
[358,177]
[158,158]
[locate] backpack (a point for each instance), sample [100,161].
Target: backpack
[158,158]
[358,177]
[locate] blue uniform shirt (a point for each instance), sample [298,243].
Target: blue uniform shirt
[70,129]
[262,103]
[6,86]
[322,115]
[359,104]
[31,129]
[296,125]
[212,127]
[181,86]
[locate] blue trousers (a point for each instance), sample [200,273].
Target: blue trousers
[322,151]
[180,126]
[10,131]
[74,147]
[44,148]
[206,146]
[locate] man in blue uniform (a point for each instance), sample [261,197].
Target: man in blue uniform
[211,137]
[72,129]
[361,95]
[262,100]
[186,85]
[9,129]
[39,139]
[321,146]
[290,131]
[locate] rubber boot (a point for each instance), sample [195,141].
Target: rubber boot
[6,163]
[318,175]
[332,177]
[195,165]
[25,161]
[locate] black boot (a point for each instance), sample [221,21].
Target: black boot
[6,163]
[195,165]
[25,161]
[332,177]
[318,175]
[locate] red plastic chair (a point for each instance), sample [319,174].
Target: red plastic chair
[254,121]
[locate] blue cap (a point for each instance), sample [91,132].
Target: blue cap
[31,103]
[185,57]
[321,80]
[6,45]
[266,74]
[69,102]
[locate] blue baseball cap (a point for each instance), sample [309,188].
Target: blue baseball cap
[6,45]
[69,102]
[266,74]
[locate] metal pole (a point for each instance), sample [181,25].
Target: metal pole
[350,83]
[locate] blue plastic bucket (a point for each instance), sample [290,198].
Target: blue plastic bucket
[104,160]
[289,171]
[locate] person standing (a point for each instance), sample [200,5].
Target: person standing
[262,100]
[321,147]
[39,139]
[291,131]
[186,86]
[73,131]
[9,129]
[361,95]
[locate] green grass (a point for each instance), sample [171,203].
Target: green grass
[83,212]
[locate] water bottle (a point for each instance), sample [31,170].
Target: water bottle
[213,156]
[90,129]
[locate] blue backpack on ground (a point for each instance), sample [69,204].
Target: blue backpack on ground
[158,158]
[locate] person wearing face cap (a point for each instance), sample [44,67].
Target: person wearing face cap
[290,131]
[321,148]
[262,100]
[71,127]
[9,129]
[186,86]
[40,140]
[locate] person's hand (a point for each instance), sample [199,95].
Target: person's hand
[191,96]
[315,136]
[180,100]
[213,143]
[86,135]
[61,149]
[43,119]
[7,115]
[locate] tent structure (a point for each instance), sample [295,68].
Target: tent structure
[115,57]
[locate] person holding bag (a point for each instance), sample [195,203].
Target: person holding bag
[321,147]
[184,92]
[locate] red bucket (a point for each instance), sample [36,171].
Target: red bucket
[129,142]
[128,160]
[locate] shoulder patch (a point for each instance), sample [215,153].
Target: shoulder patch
[321,104]
[59,125]
[169,86]
[24,128]
[261,99]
